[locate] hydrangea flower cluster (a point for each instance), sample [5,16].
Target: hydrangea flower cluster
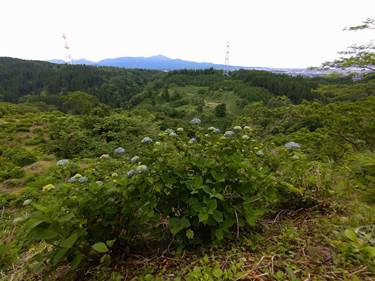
[259,153]
[62,162]
[147,140]
[135,159]
[196,121]
[105,156]
[78,178]
[169,131]
[237,128]
[173,134]
[119,150]
[292,145]
[228,134]
[180,129]
[245,137]
[141,169]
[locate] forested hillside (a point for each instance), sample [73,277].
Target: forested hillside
[113,174]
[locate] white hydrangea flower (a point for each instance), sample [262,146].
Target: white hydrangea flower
[248,128]
[141,169]
[212,129]
[295,157]
[147,140]
[196,121]
[292,145]
[157,143]
[259,153]
[245,137]
[173,134]
[62,162]
[237,128]
[135,159]
[228,134]
[119,150]
[105,156]
[27,202]
[114,175]
[180,129]
[168,131]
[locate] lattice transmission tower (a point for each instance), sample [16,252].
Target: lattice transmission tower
[69,57]
[226,66]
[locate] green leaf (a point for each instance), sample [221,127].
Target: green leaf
[203,216]
[110,242]
[350,234]
[217,272]
[178,224]
[40,207]
[212,204]
[59,256]
[69,242]
[252,214]
[44,234]
[190,234]
[218,216]
[371,251]
[76,260]
[100,247]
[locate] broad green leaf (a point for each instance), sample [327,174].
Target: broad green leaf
[217,272]
[100,247]
[371,251]
[203,216]
[219,233]
[350,234]
[212,204]
[44,234]
[76,260]
[110,242]
[59,256]
[218,216]
[178,224]
[69,242]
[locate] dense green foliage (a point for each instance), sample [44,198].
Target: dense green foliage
[90,181]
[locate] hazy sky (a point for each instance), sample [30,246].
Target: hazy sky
[275,33]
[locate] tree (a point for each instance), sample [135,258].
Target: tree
[79,102]
[359,56]
[221,110]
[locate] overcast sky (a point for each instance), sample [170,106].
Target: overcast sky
[273,33]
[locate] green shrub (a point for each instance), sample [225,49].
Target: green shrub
[192,192]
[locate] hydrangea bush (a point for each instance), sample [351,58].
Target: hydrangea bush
[192,192]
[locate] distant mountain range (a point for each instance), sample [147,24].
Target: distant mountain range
[160,62]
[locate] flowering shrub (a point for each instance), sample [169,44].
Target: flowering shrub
[205,191]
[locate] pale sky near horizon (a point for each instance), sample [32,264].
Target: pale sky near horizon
[270,33]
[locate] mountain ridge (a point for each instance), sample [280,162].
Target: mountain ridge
[164,63]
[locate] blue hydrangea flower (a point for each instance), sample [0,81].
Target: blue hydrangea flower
[217,130]
[193,139]
[135,159]
[82,179]
[147,140]
[228,134]
[131,173]
[120,150]
[196,121]
[292,145]
[62,162]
